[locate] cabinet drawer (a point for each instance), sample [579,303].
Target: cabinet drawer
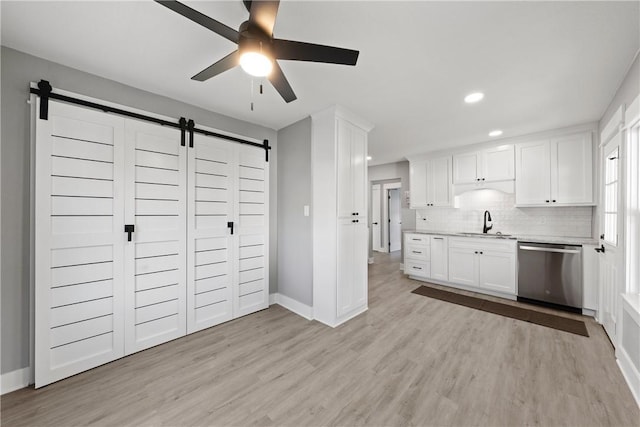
[417,239]
[417,268]
[417,252]
[501,245]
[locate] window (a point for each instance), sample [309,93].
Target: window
[633,209]
[611,183]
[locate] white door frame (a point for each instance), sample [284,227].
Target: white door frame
[395,221]
[385,212]
[376,218]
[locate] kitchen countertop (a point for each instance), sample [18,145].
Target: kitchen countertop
[519,237]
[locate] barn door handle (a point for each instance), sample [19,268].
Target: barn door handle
[230,225]
[375,223]
[129,228]
[600,249]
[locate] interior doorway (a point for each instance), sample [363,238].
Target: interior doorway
[395,220]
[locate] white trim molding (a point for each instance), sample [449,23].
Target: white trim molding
[292,305]
[15,380]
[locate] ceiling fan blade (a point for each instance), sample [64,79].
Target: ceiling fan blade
[263,14]
[279,81]
[301,51]
[199,18]
[221,66]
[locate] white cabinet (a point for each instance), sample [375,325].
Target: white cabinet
[430,182]
[486,264]
[555,172]
[340,230]
[352,170]
[489,165]
[439,258]
[426,256]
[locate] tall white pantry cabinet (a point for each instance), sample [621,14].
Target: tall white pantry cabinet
[340,220]
[196,254]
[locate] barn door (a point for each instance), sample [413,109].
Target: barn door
[210,257]
[79,241]
[251,224]
[155,250]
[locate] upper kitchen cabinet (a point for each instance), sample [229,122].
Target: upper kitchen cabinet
[489,165]
[352,169]
[430,182]
[555,172]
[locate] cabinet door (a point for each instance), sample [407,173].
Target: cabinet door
[251,232]
[352,252]
[532,173]
[418,184]
[497,271]
[79,241]
[439,187]
[358,171]
[439,258]
[344,165]
[466,168]
[463,266]
[155,258]
[571,169]
[498,164]
[210,255]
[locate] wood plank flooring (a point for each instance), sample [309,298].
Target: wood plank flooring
[409,360]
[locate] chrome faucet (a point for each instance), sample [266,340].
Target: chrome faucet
[487,217]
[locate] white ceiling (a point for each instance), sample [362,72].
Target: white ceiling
[542,65]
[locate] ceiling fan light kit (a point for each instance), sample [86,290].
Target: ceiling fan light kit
[257,49]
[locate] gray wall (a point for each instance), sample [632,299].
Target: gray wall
[389,172]
[295,231]
[17,71]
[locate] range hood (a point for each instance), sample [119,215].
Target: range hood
[508,186]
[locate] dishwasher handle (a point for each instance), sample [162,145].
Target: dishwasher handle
[557,250]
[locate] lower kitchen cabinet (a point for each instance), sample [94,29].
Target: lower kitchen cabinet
[481,264]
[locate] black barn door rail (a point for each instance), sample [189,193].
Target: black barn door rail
[45,92]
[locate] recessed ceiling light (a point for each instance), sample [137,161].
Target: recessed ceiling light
[496,132]
[369,157]
[473,97]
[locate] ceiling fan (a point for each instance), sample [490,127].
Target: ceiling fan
[257,49]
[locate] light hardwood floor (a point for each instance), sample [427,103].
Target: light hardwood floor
[409,360]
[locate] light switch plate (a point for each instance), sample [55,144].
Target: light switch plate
[306,210]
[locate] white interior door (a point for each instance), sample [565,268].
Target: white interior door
[612,257]
[155,256]
[210,259]
[376,208]
[395,220]
[252,228]
[79,241]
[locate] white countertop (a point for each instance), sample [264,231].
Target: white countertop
[520,237]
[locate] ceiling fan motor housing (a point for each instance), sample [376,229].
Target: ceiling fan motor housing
[254,39]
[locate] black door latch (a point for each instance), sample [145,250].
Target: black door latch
[600,249]
[230,225]
[129,228]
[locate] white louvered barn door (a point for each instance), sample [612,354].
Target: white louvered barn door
[155,203]
[252,241]
[210,258]
[78,241]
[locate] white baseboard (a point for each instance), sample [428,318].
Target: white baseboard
[371,260]
[401,267]
[15,380]
[630,373]
[292,305]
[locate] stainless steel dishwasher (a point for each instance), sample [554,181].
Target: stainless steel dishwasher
[550,273]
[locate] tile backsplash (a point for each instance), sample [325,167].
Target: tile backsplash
[467,216]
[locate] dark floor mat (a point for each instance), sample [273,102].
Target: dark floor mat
[520,313]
